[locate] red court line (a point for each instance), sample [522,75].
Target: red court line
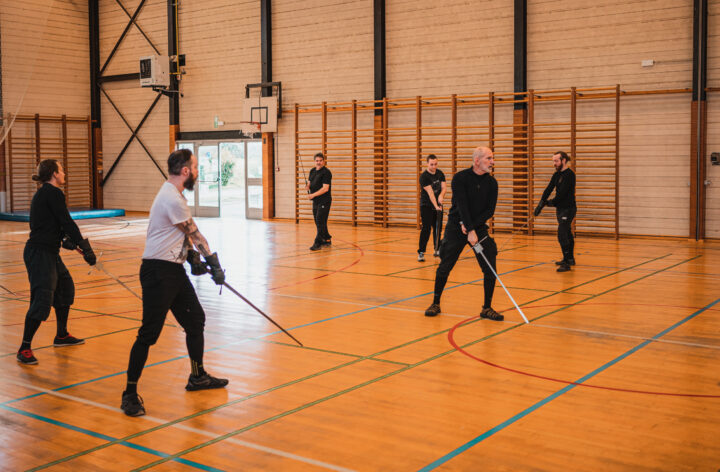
[453,343]
[329,273]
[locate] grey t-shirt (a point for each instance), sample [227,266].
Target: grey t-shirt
[165,241]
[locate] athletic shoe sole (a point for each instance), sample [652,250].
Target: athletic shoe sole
[81,341]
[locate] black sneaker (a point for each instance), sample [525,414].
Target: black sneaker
[315,247]
[204,382]
[326,243]
[491,314]
[570,262]
[26,357]
[433,310]
[67,340]
[132,404]
[563,267]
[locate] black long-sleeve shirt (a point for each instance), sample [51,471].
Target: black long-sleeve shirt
[473,200]
[50,220]
[564,185]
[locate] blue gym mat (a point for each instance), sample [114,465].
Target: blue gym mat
[75,214]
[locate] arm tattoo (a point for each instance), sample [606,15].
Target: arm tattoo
[193,233]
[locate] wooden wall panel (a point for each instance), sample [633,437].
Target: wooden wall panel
[588,43]
[153,21]
[221,42]
[712,198]
[441,48]
[321,52]
[45,57]
[135,181]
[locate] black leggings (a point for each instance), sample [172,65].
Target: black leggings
[451,247]
[565,218]
[321,211]
[431,220]
[165,286]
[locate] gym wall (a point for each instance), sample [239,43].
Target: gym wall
[44,45]
[135,180]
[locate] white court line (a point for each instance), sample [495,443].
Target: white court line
[183,427]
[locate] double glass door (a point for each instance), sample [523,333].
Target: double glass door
[229,179]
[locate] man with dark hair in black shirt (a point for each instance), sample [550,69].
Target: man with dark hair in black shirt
[51,285]
[474,196]
[563,181]
[433,187]
[318,187]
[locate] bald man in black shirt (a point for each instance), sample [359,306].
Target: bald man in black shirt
[51,285]
[474,196]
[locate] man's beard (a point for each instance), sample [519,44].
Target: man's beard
[189,182]
[559,167]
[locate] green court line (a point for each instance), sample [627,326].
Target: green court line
[327,351]
[200,413]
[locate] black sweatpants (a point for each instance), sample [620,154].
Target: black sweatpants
[450,249]
[51,285]
[565,217]
[166,286]
[321,211]
[431,220]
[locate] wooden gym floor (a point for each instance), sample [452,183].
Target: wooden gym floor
[617,370]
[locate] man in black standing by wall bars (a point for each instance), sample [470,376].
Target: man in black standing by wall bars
[51,285]
[563,182]
[474,196]
[432,192]
[318,187]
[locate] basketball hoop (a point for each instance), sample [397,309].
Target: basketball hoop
[251,127]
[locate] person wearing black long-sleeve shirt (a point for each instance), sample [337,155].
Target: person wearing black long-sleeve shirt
[474,196]
[319,191]
[563,182]
[51,285]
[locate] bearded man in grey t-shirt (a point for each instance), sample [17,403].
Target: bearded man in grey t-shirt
[171,236]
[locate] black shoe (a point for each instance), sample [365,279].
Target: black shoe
[433,310]
[421,257]
[491,314]
[327,242]
[26,357]
[204,382]
[563,268]
[315,247]
[570,262]
[67,340]
[132,404]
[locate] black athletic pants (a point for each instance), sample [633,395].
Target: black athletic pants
[565,218]
[51,286]
[165,286]
[429,217]
[450,249]
[321,211]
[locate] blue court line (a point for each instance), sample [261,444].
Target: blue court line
[562,391]
[109,438]
[261,337]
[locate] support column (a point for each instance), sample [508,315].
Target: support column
[174,98]
[95,128]
[380,122]
[520,156]
[698,121]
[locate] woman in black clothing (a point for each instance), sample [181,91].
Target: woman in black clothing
[51,285]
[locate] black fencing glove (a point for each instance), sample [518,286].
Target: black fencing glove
[216,272]
[87,252]
[197,266]
[68,243]
[551,202]
[541,204]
